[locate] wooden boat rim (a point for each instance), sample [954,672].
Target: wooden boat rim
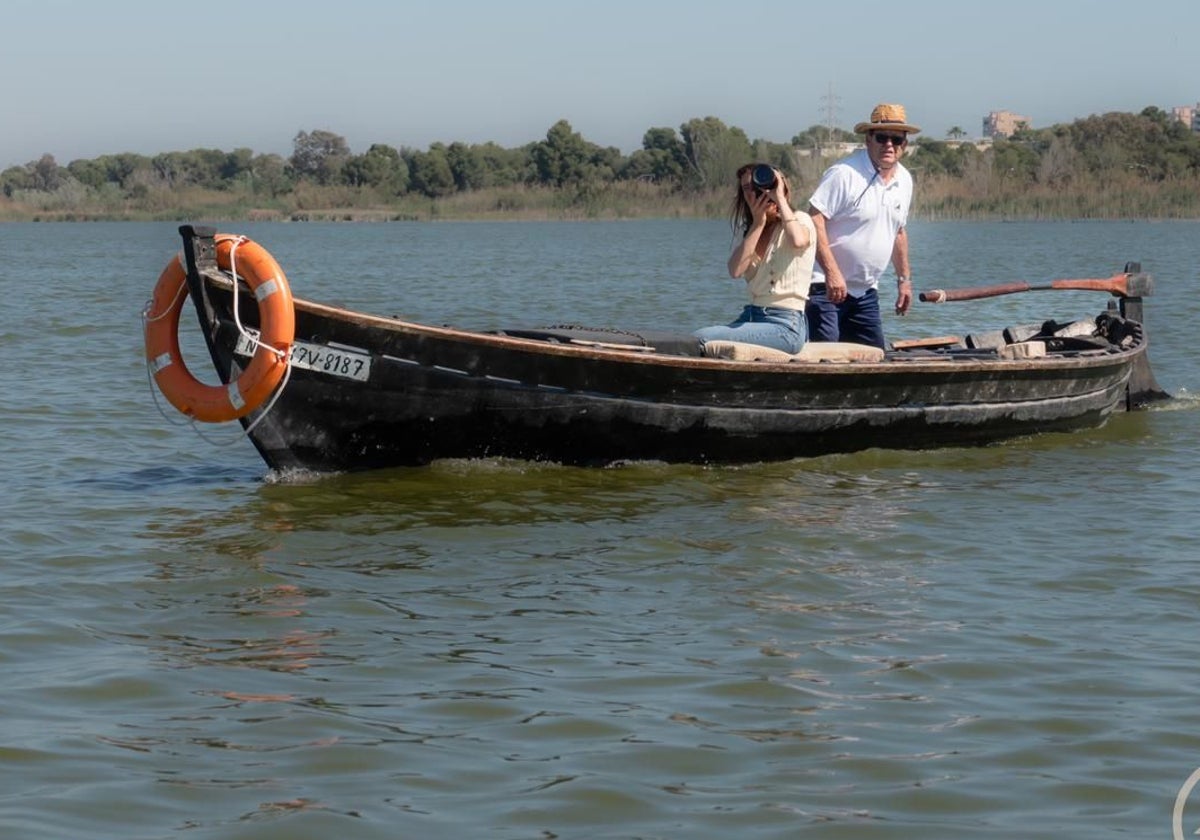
[639,356]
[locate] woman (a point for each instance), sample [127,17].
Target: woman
[775,257]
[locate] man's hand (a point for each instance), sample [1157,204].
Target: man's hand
[835,288]
[904,296]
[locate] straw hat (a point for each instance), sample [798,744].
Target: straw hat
[886,116]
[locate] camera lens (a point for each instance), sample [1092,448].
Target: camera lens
[763,177]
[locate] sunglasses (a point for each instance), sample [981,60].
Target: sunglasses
[898,140]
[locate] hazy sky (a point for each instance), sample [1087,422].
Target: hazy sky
[80,79]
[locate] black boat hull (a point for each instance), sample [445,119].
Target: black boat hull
[434,393]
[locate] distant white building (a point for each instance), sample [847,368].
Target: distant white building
[1004,124]
[1189,115]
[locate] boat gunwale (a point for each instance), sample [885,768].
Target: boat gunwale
[642,356]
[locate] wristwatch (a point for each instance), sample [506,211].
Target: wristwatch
[901,279]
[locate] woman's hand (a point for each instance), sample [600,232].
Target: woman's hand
[777,193]
[759,203]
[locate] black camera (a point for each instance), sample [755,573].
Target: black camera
[762,177]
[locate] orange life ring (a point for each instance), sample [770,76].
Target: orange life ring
[277,328]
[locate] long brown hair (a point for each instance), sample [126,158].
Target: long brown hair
[740,217]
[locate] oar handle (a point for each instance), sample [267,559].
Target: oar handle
[943,295]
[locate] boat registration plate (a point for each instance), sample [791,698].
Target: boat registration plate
[335,361]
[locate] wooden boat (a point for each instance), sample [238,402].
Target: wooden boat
[328,389]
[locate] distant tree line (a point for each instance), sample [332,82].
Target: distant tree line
[699,154]
[1109,165]
[1137,151]
[1151,144]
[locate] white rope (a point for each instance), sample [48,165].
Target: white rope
[249,336]
[253,339]
[287,374]
[180,292]
[176,419]
[150,381]
[147,319]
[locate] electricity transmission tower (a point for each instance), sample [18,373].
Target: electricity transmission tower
[829,105]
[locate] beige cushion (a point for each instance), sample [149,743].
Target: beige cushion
[1024,350]
[814,351]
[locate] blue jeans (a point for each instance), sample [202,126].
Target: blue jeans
[768,326]
[855,319]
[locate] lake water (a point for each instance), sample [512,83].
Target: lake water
[968,643]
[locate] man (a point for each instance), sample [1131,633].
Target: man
[860,209]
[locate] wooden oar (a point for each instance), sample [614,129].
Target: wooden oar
[1122,285]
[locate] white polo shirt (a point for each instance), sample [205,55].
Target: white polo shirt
[862,217]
